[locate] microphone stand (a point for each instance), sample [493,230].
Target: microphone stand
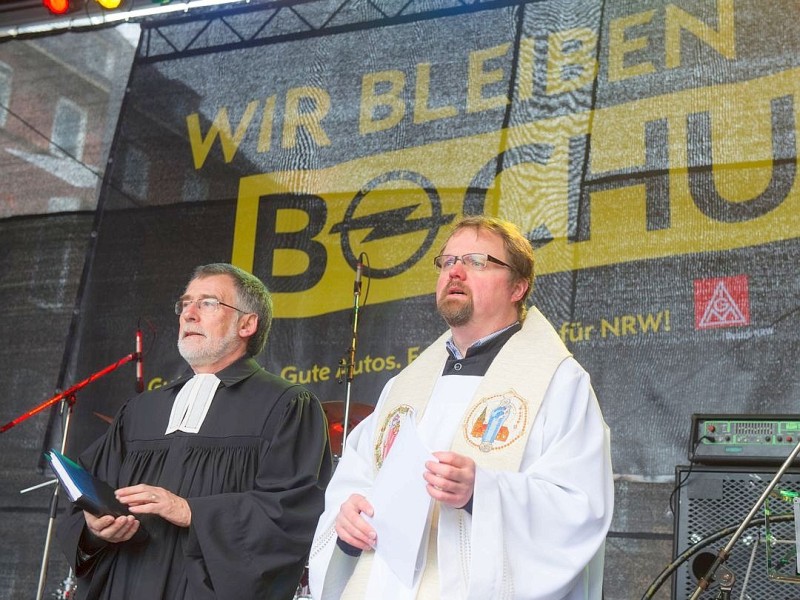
[722,555]
[351,359]
[68,399]
[670,569]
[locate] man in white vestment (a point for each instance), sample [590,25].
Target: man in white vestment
[521,488]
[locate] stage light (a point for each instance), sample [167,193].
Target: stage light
[57,7]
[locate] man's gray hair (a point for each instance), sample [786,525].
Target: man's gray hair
[252,296]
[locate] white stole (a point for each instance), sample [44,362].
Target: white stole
[525,365]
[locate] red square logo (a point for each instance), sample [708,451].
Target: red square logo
[721,302]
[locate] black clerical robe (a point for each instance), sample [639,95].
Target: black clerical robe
[254,477]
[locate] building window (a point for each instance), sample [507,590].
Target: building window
[69,129]
[5,92]
[59,204]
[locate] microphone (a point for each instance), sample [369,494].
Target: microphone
[357,283]
[139,362]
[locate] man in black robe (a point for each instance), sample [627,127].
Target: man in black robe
[223,470]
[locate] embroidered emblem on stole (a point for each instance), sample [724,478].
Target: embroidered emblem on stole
[388,432]
[496,422]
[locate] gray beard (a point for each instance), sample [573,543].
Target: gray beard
[201,357]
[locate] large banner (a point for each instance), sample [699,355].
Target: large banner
[648,150]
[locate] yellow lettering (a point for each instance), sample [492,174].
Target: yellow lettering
[412,353]
[527,66]
[649,322]
[156,382]
[618,47]
[422,113]
[478,78]
[390,101]
[618,211]
[265,133]
[220,127]
[563,63]
[628,325]
[606,327]
[309,120]
[315,374]
[289,374]
[721,39]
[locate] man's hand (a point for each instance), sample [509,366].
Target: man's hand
[110,529]
[351,526]
[150,500]
[451,481]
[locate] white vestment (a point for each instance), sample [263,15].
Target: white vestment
[536,534]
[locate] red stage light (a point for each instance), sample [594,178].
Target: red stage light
[57,7]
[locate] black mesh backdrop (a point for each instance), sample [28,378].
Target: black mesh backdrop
[648,149]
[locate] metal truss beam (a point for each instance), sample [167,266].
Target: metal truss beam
[245,26]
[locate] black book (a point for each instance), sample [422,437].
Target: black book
[84,489]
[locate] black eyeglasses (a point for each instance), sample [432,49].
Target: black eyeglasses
[475,261]
[204,305]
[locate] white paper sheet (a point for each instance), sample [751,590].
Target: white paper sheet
[401,503]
